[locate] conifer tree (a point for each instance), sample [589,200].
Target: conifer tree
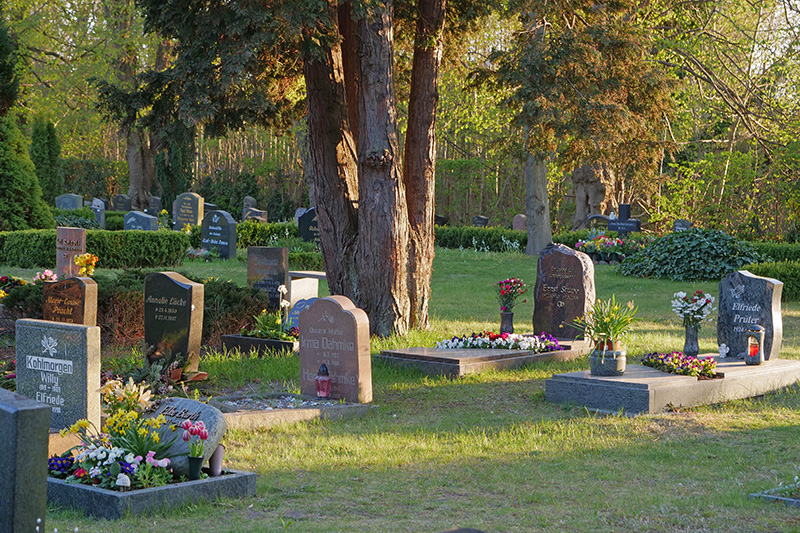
[45,153]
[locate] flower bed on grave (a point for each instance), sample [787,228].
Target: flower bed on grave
[544,342]
[678,363]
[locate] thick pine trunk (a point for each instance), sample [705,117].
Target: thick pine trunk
[420,155]
[537,205]
[333,167]
[141,168]
[382,259]
[594,192]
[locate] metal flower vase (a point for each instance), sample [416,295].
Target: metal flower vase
[691,347]
[195,467]
[506,322]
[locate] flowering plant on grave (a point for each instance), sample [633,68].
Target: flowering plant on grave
[544,342]
[694,308]
[508,291]
[87,262]
[47,275]
[607,321]
[678,363]
[9,282]
[195,436]
[271,325]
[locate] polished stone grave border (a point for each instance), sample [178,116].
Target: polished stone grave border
[258,419]
[647,390]
[459,363]
[113,505]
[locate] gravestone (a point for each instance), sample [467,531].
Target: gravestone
[72,301]
[154,205]
[23,470]
[175,411]
[293,318]
[59,365]
[140,221]
[480,221]
[97,202]
[210,207]
[335,332]
[300,211]
[268,269]
[440,220]
[623,224]
[598,222]
[173,314]
[255,214]
[189,209]
[69,201]
[69,243]
[307,228]
[250,202]
[520,223]
[682,225]
[99,214]
[122,202]
[746,300]
[218,232]
[564,290]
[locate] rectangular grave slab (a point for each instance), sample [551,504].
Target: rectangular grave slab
[72,301]
[23,468]
[189,209]
[59,365]
[218,232]
[744,301]
[304,285]
[113,505]
[564,290]
[335,332]
[268,269]
[459,363]
[69,201]
[69,243]
[645,390]
[122,202]
[173,314]
[136,220]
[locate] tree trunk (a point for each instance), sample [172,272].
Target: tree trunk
[382,259]
[420,155]
[537,205]
[594,192]
[332,165]
[141,168]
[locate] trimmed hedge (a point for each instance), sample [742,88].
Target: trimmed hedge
[485,239]
[255,233]
[778,251]
[116,249]
[786,271]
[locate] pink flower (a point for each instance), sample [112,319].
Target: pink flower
[186,424]
[203,434]
[186,436]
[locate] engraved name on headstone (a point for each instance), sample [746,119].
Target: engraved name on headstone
[746,300]
[69,201]
[69,243]
[173,314]
[73,301]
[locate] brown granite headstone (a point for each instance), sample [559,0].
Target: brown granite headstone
[520,223]
[69,243]
[73,301]
[173,314]
[334,332]
[564,290]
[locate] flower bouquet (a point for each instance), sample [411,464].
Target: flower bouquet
[508,291]
[693,309]
[87,262]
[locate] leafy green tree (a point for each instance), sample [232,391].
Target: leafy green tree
[45,152]
[9,83]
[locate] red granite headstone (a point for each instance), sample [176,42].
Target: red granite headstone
[73,301]
[69,243]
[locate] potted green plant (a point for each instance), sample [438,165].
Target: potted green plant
[607,325]
[269,332]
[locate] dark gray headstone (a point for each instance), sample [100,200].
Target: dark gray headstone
[210,207]
[122,202]
[598,221]
[249,201]
[99,214]
[69,243]
[218,232]
[624,224]
[746,300]
[140,221]
[189,209]
[175,411]
[69,201]
[307,228]
[298,213]
[252,213]
[682,225]
[480,221]
[268,269]
[335,332]
[173,314]
[23,470]
[624,211]
[72,301]
[59,365]
[293,318]
[440,220]
[564,290]
[154,205]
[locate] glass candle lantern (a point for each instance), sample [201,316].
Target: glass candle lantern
[323,382]
[755,346]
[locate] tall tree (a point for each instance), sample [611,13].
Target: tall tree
[45,152]
[9,82]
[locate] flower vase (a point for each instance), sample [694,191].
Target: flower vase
[691,347]
[507,322]
[195,467]
[608,359]
[215,461]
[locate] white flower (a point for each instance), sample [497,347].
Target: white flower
[723,350]
[282,289]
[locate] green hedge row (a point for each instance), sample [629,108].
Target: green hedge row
[116,249]
[786,271]
[778,251]
[254,233]
[483,239]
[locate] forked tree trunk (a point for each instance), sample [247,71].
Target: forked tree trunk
[382,259]
[594,192]
[420,155]
[537,206]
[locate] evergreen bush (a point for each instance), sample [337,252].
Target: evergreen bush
[45,152]
[786,271]
[778,251]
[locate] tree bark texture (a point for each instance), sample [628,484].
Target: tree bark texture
[382,259]
[537,205]
[594,192]
[420,155]
[333,166]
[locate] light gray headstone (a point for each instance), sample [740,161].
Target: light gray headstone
[58,365]
[140,221]
[69,201]
[249,201]
[746,300]
[24,439]
[189,208]
[682,225]
[99,214]
[175,411]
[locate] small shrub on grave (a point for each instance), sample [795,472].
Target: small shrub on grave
[693,255]
[72,221]
[786,271]
[24,301]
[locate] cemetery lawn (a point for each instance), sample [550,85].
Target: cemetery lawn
[487,451]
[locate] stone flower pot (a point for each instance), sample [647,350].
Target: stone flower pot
[608,359]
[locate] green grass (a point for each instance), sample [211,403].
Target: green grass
[487,451]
